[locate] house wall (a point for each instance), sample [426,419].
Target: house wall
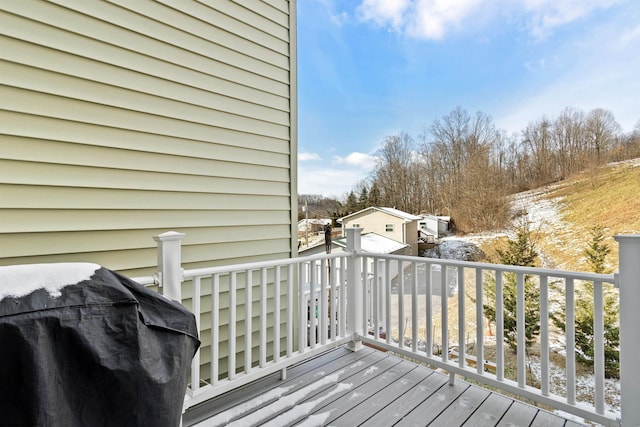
[122,120]
[375,221]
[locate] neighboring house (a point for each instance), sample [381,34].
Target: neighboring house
[369,242]
[434,225]
[122,120]
[388,222]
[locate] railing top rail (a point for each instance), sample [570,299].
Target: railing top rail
[205,271]
[595,277]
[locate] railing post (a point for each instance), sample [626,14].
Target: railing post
[629,283]
[355,304]
[170,264]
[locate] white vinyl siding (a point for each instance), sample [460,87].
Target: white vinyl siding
[123,119]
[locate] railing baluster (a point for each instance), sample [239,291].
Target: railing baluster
[290,311]
[387,305]
[598,346]
[215,329]
[313,307]
[343,296]
[570,332]
[499,326]
[544,335]
[231,358]
[276,314]
[263,317]
[303,308]
[444,313]
[428,310]
[332,298]
[323,311]
[520,328]
[374,298]
[248,317]
[479,322]
[462,342]
[414,306]
[195,308]
[400,305]
[365,306]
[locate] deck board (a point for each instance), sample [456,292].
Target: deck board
[365,388]
[405,403]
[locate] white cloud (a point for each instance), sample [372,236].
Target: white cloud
[361,160]
[329,182]
[547,15]
[384,12]
[305,157]
[600,72]
[429,19]
[630,35]
[433,19]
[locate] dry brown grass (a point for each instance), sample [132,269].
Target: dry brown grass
[609,197]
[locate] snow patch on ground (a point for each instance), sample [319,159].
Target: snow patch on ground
[20,280]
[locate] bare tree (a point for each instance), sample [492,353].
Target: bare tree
[601,131]
[392,173]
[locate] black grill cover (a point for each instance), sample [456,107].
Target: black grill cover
[106,352]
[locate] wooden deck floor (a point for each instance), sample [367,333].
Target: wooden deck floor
[365,388]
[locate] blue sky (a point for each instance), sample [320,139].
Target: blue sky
[372,68]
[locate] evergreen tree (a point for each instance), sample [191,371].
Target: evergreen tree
[374,195]
[363,199]
[596,251]
[352,203]
[521,251]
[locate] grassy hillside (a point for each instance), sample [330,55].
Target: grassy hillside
[608,196]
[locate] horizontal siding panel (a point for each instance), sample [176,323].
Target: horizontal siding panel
[258,14]
[57,220]
[179,83]
[228,253]
[116,35]
[238,147]
[32,244]
[40,33]
[20,100]
[131,263]
[25,150]
[281,5]
[31,173]
[210,24]
[198,106]
[35,197]
[142,262]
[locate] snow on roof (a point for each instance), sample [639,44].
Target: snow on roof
[320,221]
[390,211]
[20,280]
[401,214]
[374,243]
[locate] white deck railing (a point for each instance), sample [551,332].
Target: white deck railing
[299,307]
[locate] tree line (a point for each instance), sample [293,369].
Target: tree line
[464,167]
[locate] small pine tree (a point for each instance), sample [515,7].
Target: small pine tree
[352,203]
[363,199]
[374,195]
[596,251]
[520,251]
